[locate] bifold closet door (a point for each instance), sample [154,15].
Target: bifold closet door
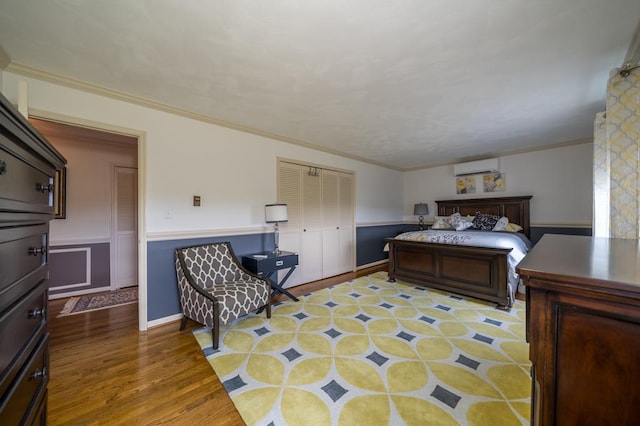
[321,221]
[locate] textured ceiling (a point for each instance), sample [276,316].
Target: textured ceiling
[402,83]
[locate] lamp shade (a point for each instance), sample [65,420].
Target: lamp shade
[275,213]
[421,209]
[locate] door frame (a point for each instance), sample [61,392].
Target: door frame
[141,135]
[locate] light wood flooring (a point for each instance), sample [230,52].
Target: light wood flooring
[104,371]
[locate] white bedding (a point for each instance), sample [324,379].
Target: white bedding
[518,243]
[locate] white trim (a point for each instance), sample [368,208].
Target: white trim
[205,233]
[87,277]
[24,70]
[372,264]
[78,242]
[561,225]
[371,224]
[78,293]
[165,320]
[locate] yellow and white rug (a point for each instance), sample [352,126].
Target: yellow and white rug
[369,352]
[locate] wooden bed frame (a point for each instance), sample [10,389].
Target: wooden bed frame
[473,271]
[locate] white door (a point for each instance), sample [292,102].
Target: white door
[347,220]
[330,225]
[124,233]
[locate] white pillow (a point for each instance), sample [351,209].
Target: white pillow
[501,224]
[459,222]
[441,222]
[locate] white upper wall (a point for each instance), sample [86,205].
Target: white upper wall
[560,180]
[234,172]
[89,183]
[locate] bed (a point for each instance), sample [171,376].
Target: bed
[483,272]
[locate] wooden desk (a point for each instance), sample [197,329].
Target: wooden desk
[267,264]
[583,327]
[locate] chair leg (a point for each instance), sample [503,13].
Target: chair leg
[215,330]
[268,305]
[183,324]
[214,338]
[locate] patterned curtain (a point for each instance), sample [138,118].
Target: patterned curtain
[617,160]
[601,171]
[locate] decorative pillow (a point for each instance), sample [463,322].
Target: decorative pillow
[512,227]
[485,222]
[501,224]
[459,222]
[441,222]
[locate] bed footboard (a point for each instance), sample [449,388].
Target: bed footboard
[473,271]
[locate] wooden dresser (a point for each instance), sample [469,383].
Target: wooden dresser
[27,167]
[583,328]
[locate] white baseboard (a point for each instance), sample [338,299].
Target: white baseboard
[372,264]
[78,292]
[165,320]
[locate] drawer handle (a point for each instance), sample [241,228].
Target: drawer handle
[34,251]
[37,312]
[38,373]
[3,167]
[279,262]
[44,187]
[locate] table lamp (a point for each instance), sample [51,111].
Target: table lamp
[276,213]
[420,210]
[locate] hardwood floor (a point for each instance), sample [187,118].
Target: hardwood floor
[104,371]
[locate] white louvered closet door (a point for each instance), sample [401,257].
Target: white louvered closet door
[290,192]
[330,224]
[311,252]
[321,221]
[346,210]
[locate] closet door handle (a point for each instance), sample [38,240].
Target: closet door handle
[3,167]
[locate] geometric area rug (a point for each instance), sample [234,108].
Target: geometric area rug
[97,301]
[370,352]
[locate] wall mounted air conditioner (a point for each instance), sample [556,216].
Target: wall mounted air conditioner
[476,167]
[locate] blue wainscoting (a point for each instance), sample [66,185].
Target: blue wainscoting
[162,284]
[68,268]
[538,231]
[162,288]
[370,241]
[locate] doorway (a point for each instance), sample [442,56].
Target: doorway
[94,248]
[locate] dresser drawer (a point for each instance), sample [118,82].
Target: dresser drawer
[22,250]
[27,391]
[23,187]
[21,327]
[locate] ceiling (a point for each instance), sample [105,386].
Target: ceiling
[404,84]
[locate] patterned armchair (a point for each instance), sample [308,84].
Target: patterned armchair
[215,289]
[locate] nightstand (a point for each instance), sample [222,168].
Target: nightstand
[267,265]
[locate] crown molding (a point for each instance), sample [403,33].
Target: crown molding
[27,71]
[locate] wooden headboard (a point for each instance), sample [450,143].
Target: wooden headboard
[515,208]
